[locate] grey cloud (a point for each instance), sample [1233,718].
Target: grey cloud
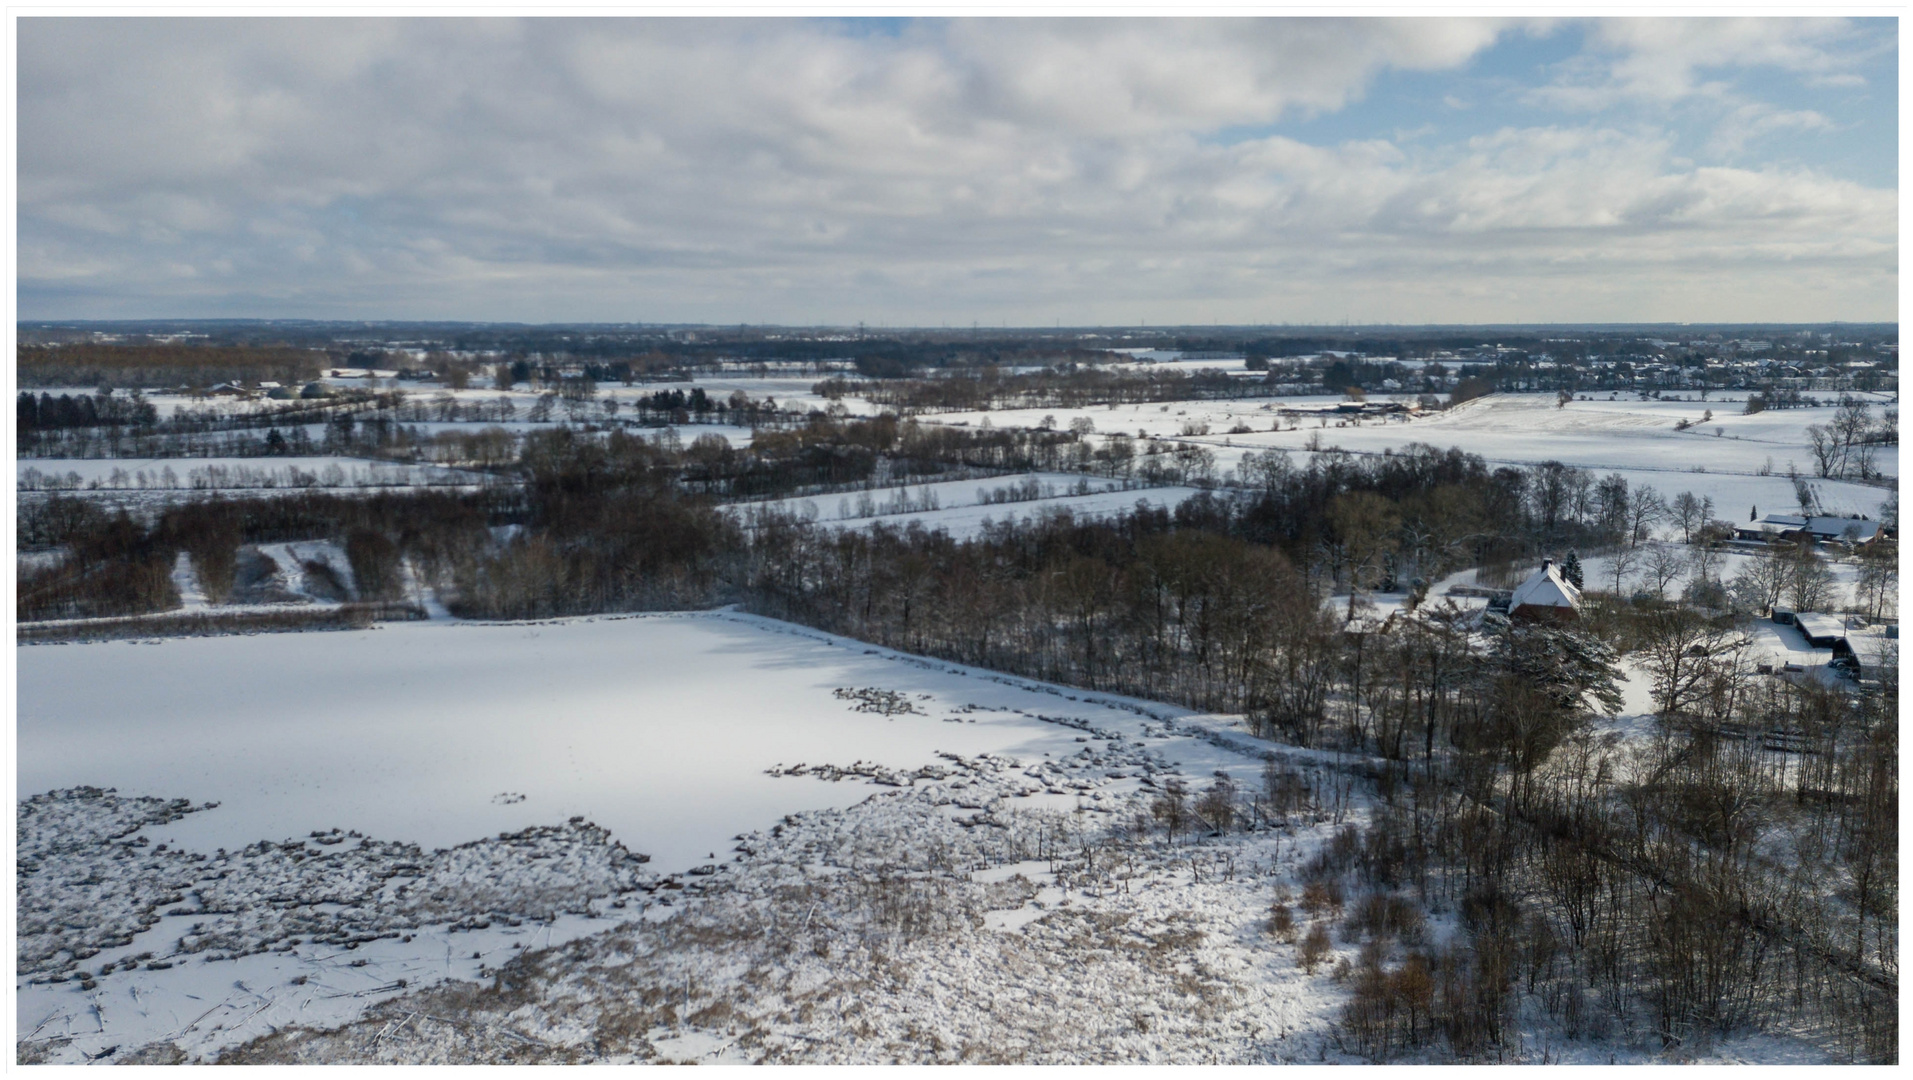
[787,171]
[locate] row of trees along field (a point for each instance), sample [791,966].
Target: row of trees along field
[381,423]
[1068,387]
[1732,865]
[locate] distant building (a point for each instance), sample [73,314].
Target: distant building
[1546,597]
[1792,528]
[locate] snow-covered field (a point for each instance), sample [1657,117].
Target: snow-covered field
[219,474]
[968,521]
[1634,438]
[674,733]
[961,507]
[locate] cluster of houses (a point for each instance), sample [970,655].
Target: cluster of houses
[1549,598]
[273,390]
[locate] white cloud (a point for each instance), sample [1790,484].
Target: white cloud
[1666,60]
[787,171]
[1754,120]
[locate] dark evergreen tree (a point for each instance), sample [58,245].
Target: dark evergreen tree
[1571,569]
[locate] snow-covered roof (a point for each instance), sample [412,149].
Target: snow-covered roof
[1822,527]
[1841,527]
[1547,588]
[1820,626]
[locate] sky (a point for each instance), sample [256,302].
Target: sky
[927,172]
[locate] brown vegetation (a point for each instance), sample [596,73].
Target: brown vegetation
[93,365]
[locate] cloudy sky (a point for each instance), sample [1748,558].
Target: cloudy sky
[931,172]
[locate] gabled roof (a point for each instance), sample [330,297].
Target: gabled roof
[1547,588]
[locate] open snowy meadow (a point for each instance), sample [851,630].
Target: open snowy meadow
[1740,461]
[962,507]
[358,782]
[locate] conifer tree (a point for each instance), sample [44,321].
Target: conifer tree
[1571,569]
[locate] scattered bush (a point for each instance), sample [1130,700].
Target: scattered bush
[1282,923]
[1315,949]
[1321,896]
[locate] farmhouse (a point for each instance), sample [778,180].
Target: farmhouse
[1547,596]
[1790,528]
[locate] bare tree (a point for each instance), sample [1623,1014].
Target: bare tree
[1171,808]
[1282,923]
[1706,560]
[1365,525]
[1645,510]
[1611,504]
[1878,588]
[1762,582]
[1684,653]
[1622,564]
[1825,447]
[1810,582]
[1849,429]
[1664,565]
[1689,514]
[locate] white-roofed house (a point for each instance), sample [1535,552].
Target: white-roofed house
[1547,596]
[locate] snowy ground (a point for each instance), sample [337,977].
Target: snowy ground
[961,507]
[920,925]
[942,494]
[421,843]
[215,474]
[1635,438]
[674,733]
[1598,570]
[966,522]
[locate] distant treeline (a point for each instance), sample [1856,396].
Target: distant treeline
[1068,387]
[121,366]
